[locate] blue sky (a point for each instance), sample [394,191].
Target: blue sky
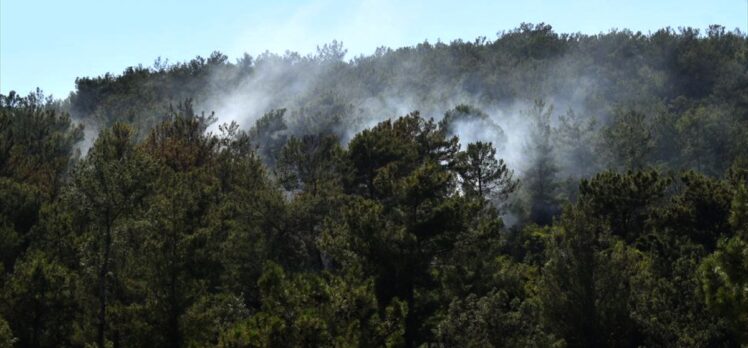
[49,43]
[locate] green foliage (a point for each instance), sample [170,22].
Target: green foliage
[36,141]
[629,139]
[723,279]
[508,315]
[723,275]
[179,142]
[624,201]
[318,227]
[311,163]
[269,135]
[701,211]
[587,284]
[107,199]
[539,183]
[405,213]
[482,175]
[40,298]
[6,336]
[686,85]
[577,138]
[210,316]
[705,138]
[18,214]
[317,311]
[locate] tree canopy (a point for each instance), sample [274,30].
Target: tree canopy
[316,207]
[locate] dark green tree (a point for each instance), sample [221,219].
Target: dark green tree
[269,134]
[629,140]
[482,175]
[589,282]
[723,275]
[540,183]
[312,163]
[577,138]
[405,213]
[624,201]
[311,310]
[39,297]
[107,197]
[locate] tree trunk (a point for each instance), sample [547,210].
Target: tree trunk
[410,320]
[100,340]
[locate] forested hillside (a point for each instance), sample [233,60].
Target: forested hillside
[539,189]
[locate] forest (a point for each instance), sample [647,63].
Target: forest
[538,189]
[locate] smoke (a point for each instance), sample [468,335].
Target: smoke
[90,133]
[324,93]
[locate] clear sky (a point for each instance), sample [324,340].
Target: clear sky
[48,43]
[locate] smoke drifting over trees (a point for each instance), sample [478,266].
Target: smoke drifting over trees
[539,189]
[597,78]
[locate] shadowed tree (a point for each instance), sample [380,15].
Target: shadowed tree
[404,215]
[107,196]
[629,139]
[540,184]
[723,275]
[482,175]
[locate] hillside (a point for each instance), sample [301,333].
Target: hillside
[539,189]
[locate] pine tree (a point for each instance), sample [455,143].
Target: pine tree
[107,198]
[404,211]
[482,175]
[723,276]
[539,183]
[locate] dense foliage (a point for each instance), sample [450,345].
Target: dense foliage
[621,220]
